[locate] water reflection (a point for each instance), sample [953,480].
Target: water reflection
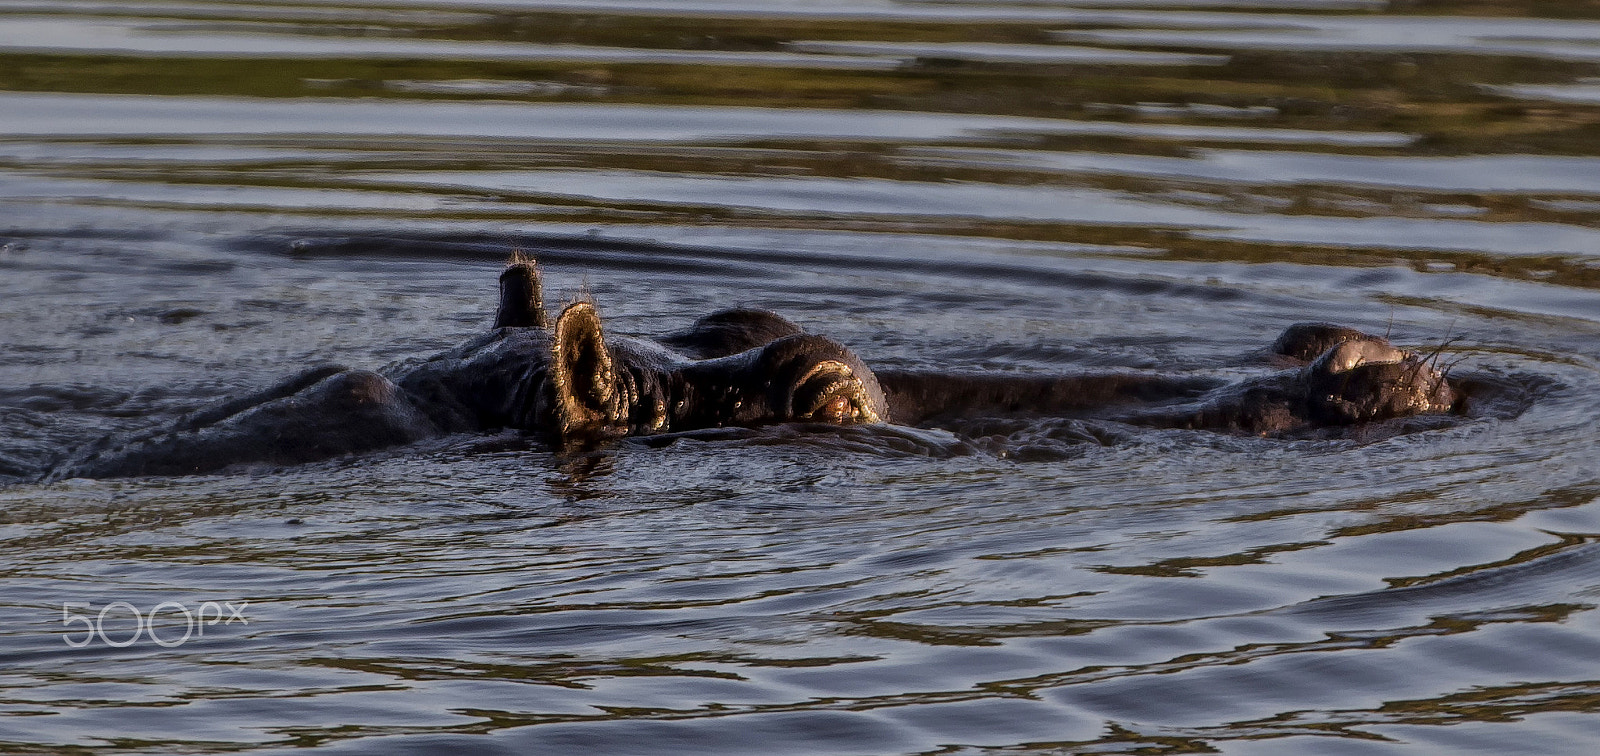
[580,472]
[1582,94]
[1563,39]
[1471,174]
[169,38]
[54,115]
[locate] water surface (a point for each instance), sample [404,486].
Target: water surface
[201,197]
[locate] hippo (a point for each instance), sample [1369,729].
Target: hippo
[566,380]
[570,382]
[1339,377]
[1349,378]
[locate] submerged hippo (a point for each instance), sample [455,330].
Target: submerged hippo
[570,382]
[1342,377]
[566,380]
[1356,378]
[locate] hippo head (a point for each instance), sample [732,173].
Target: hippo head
[1367,379]
[627,387]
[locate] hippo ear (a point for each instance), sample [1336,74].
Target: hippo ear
[581,367]
[521,295]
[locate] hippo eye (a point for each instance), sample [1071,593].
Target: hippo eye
[829,392]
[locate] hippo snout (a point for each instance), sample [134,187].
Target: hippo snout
[1361,381]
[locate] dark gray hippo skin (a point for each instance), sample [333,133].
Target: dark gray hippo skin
[1359,379]
[568,382]
[1343,377]
[572,384]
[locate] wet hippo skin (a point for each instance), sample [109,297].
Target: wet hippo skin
[571,382]
[1345,377]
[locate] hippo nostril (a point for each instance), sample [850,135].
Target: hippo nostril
[1367,385]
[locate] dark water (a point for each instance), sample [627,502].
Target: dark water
[1031,187]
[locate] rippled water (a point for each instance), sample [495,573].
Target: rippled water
[201,197]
